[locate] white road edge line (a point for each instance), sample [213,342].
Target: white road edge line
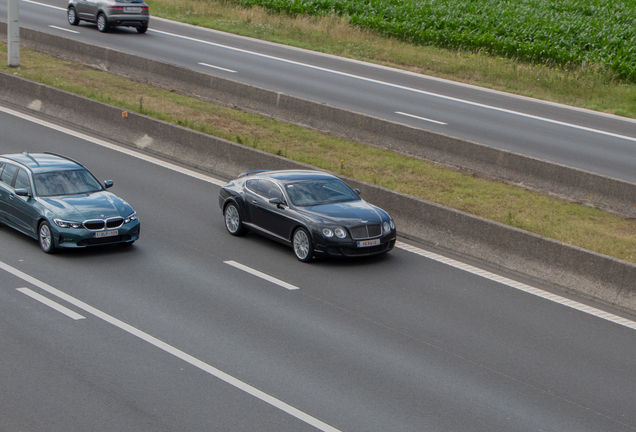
[60,28]
[261,275]
[50,303]
[518,285]
[44,4]
[401,87]
[218,67]
[172,350]
[431,255]
[420,118]
[117,148]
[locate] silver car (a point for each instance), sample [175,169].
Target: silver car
[110,13]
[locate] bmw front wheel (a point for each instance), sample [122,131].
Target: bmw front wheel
[233,221]
[303,248]
[45,237]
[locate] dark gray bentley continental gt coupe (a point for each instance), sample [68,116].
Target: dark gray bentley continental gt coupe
[314,212]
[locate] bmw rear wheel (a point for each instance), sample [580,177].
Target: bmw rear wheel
[102,23]
[233,221]
[303,248]
[72,16]
[45,237]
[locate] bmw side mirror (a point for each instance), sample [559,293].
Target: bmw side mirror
[108,183]
[357,191]
[22,192]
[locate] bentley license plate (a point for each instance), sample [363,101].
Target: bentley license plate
[132,9]
[102,234]
[367,243]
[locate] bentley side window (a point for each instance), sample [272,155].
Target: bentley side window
[252,185]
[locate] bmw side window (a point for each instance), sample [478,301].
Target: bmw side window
[8,173]
[22,181]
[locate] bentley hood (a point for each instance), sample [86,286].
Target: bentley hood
[347,213]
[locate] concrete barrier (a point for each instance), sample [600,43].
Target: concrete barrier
[569,183]
[593,275]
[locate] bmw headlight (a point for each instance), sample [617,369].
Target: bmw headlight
[340,232]
[131,217]
[67,224]
[327,232]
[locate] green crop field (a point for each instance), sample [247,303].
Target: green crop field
[589,33]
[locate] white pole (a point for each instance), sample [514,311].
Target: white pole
[13,27]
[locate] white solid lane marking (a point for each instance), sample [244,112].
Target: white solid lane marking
[43,4]
[397,86]
[120,149]
[401,245]
[66,30]
[518,285]
[420,118]
[50,303]
[172,350]
[218,67]
[261,275]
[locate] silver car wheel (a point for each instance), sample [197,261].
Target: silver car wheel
[102,23]
[72,16]
[302,245]
[46,238]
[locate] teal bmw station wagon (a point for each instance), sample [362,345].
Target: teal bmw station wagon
[59,202]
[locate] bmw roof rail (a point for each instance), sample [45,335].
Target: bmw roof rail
[64,157]
[246,173]
[25,153]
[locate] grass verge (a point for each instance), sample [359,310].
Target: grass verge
[567,222]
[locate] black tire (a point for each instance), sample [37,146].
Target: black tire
[45,237]
[233,220]
[303,247]
[142,30]
[102,23]
[71,14]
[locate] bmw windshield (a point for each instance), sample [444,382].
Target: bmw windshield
[70,182]
[319,192]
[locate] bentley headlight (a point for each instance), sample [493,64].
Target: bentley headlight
[130,218]
[67,224]
[327,232]
[387,227]
[340,233]
[392,224]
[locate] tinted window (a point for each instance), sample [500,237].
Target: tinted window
[66,183]
[8,173]
[251,185]
[22,181]
[318,192]
[268,189]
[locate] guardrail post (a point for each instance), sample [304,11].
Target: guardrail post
[13,35]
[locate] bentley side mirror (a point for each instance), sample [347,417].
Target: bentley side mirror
[277,202]
[108,183]
[357,191]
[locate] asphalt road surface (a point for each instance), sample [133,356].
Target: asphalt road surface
[578,138]
[172,334]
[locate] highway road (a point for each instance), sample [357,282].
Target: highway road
[583,139]
[173,334]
